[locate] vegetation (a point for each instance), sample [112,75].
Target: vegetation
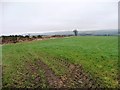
[98,56]
[75,32]
[18,38]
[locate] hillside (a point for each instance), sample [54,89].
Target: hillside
[91,32]
[77,62]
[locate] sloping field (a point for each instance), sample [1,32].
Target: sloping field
[84,61]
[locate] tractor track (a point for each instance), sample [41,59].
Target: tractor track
[74,78]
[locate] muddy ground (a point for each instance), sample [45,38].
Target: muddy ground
[40,75]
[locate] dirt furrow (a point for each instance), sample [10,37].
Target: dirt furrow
[30,76]
[75,78]
[53,80]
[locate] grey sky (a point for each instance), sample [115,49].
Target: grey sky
[23,16]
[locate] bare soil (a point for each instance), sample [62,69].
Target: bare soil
[30,77]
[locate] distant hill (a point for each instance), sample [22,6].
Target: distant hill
[95,32]
[100,32]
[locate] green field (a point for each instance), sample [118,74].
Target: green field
[98,56]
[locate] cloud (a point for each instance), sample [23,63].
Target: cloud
[52,15]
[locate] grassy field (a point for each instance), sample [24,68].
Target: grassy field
[98,56]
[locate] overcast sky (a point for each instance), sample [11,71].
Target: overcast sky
[28,16]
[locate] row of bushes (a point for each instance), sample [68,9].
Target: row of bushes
[18,38]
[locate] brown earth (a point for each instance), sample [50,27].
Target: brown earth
[13,40]
[30,77]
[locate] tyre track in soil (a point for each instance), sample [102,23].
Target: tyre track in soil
[53,80]
[76,78]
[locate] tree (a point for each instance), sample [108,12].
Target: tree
[75,32]
[34,37]
[39,36]
[27,36]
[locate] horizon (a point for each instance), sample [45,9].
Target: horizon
[26,33]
